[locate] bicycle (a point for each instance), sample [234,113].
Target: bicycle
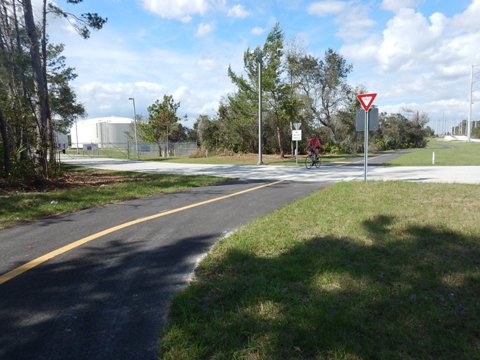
[313,160]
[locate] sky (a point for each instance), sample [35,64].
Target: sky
[415,54]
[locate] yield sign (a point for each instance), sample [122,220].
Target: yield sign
[366,100]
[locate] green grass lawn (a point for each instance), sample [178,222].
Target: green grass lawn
[249,159]
[446,153]
[235,159]
[24,206]
[378,270]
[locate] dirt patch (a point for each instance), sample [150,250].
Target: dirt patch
[68,180]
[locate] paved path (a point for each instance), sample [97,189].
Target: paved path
[330,173]
[108,298]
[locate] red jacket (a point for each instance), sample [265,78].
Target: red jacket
[314,143]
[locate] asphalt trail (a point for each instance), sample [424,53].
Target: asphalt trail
[108,299]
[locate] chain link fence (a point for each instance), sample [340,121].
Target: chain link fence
[128,150]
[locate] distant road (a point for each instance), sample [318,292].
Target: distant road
[343,171]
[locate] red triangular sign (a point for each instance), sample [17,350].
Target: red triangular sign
[366,100]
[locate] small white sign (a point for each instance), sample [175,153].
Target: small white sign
[296,135]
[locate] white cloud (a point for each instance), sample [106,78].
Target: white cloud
[238,11]
[363,52]
[416,58]
[204,29]
[209,108]
[409,40]
[352,17]
[326,7]
[112,98]
[468,20]
[121,71]
[420,61]
[396,5]
[354,22]
[179,9]
[257,31]
[181,92]
[208,64]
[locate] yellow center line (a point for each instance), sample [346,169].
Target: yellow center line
[40,260]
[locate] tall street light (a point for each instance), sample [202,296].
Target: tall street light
[135,126]
[470,106]
[76,133]
[258,52]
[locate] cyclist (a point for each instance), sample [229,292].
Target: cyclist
[313,147]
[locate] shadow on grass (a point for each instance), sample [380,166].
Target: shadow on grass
[411,297]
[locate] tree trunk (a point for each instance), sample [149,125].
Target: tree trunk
[40,93]
[6,147]
[278,134]
[279,141]
[51,132]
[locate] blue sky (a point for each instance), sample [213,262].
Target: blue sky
[413,53]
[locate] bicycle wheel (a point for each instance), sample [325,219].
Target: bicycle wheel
[308,162]
[318,162]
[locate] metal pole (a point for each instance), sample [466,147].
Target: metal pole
[444,130]
[76,132]
[470,105]
[291,142]
[296,152]
[259,58]
[135,126]
[365,166]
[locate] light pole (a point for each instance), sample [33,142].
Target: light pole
[135,126]
[76,132]
[258,52]
[168,145]
[470,105]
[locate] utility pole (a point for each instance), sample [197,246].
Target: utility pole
[135,126]
[470,105]
[258,52]
[443,125]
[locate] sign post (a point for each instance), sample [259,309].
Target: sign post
[365,147]
[366,100]
[296,136]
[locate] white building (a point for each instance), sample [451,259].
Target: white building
[104,132]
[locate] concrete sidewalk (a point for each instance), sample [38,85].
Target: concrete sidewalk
[329,173]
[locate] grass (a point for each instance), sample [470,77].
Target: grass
[21,207]
[379,270]
[453,153]
[250,159]
[235,159]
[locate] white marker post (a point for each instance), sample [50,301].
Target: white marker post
[366,100]
[296,136]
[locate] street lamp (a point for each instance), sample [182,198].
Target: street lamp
[135,126]
[258,53]
[470,106]
[76,133]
